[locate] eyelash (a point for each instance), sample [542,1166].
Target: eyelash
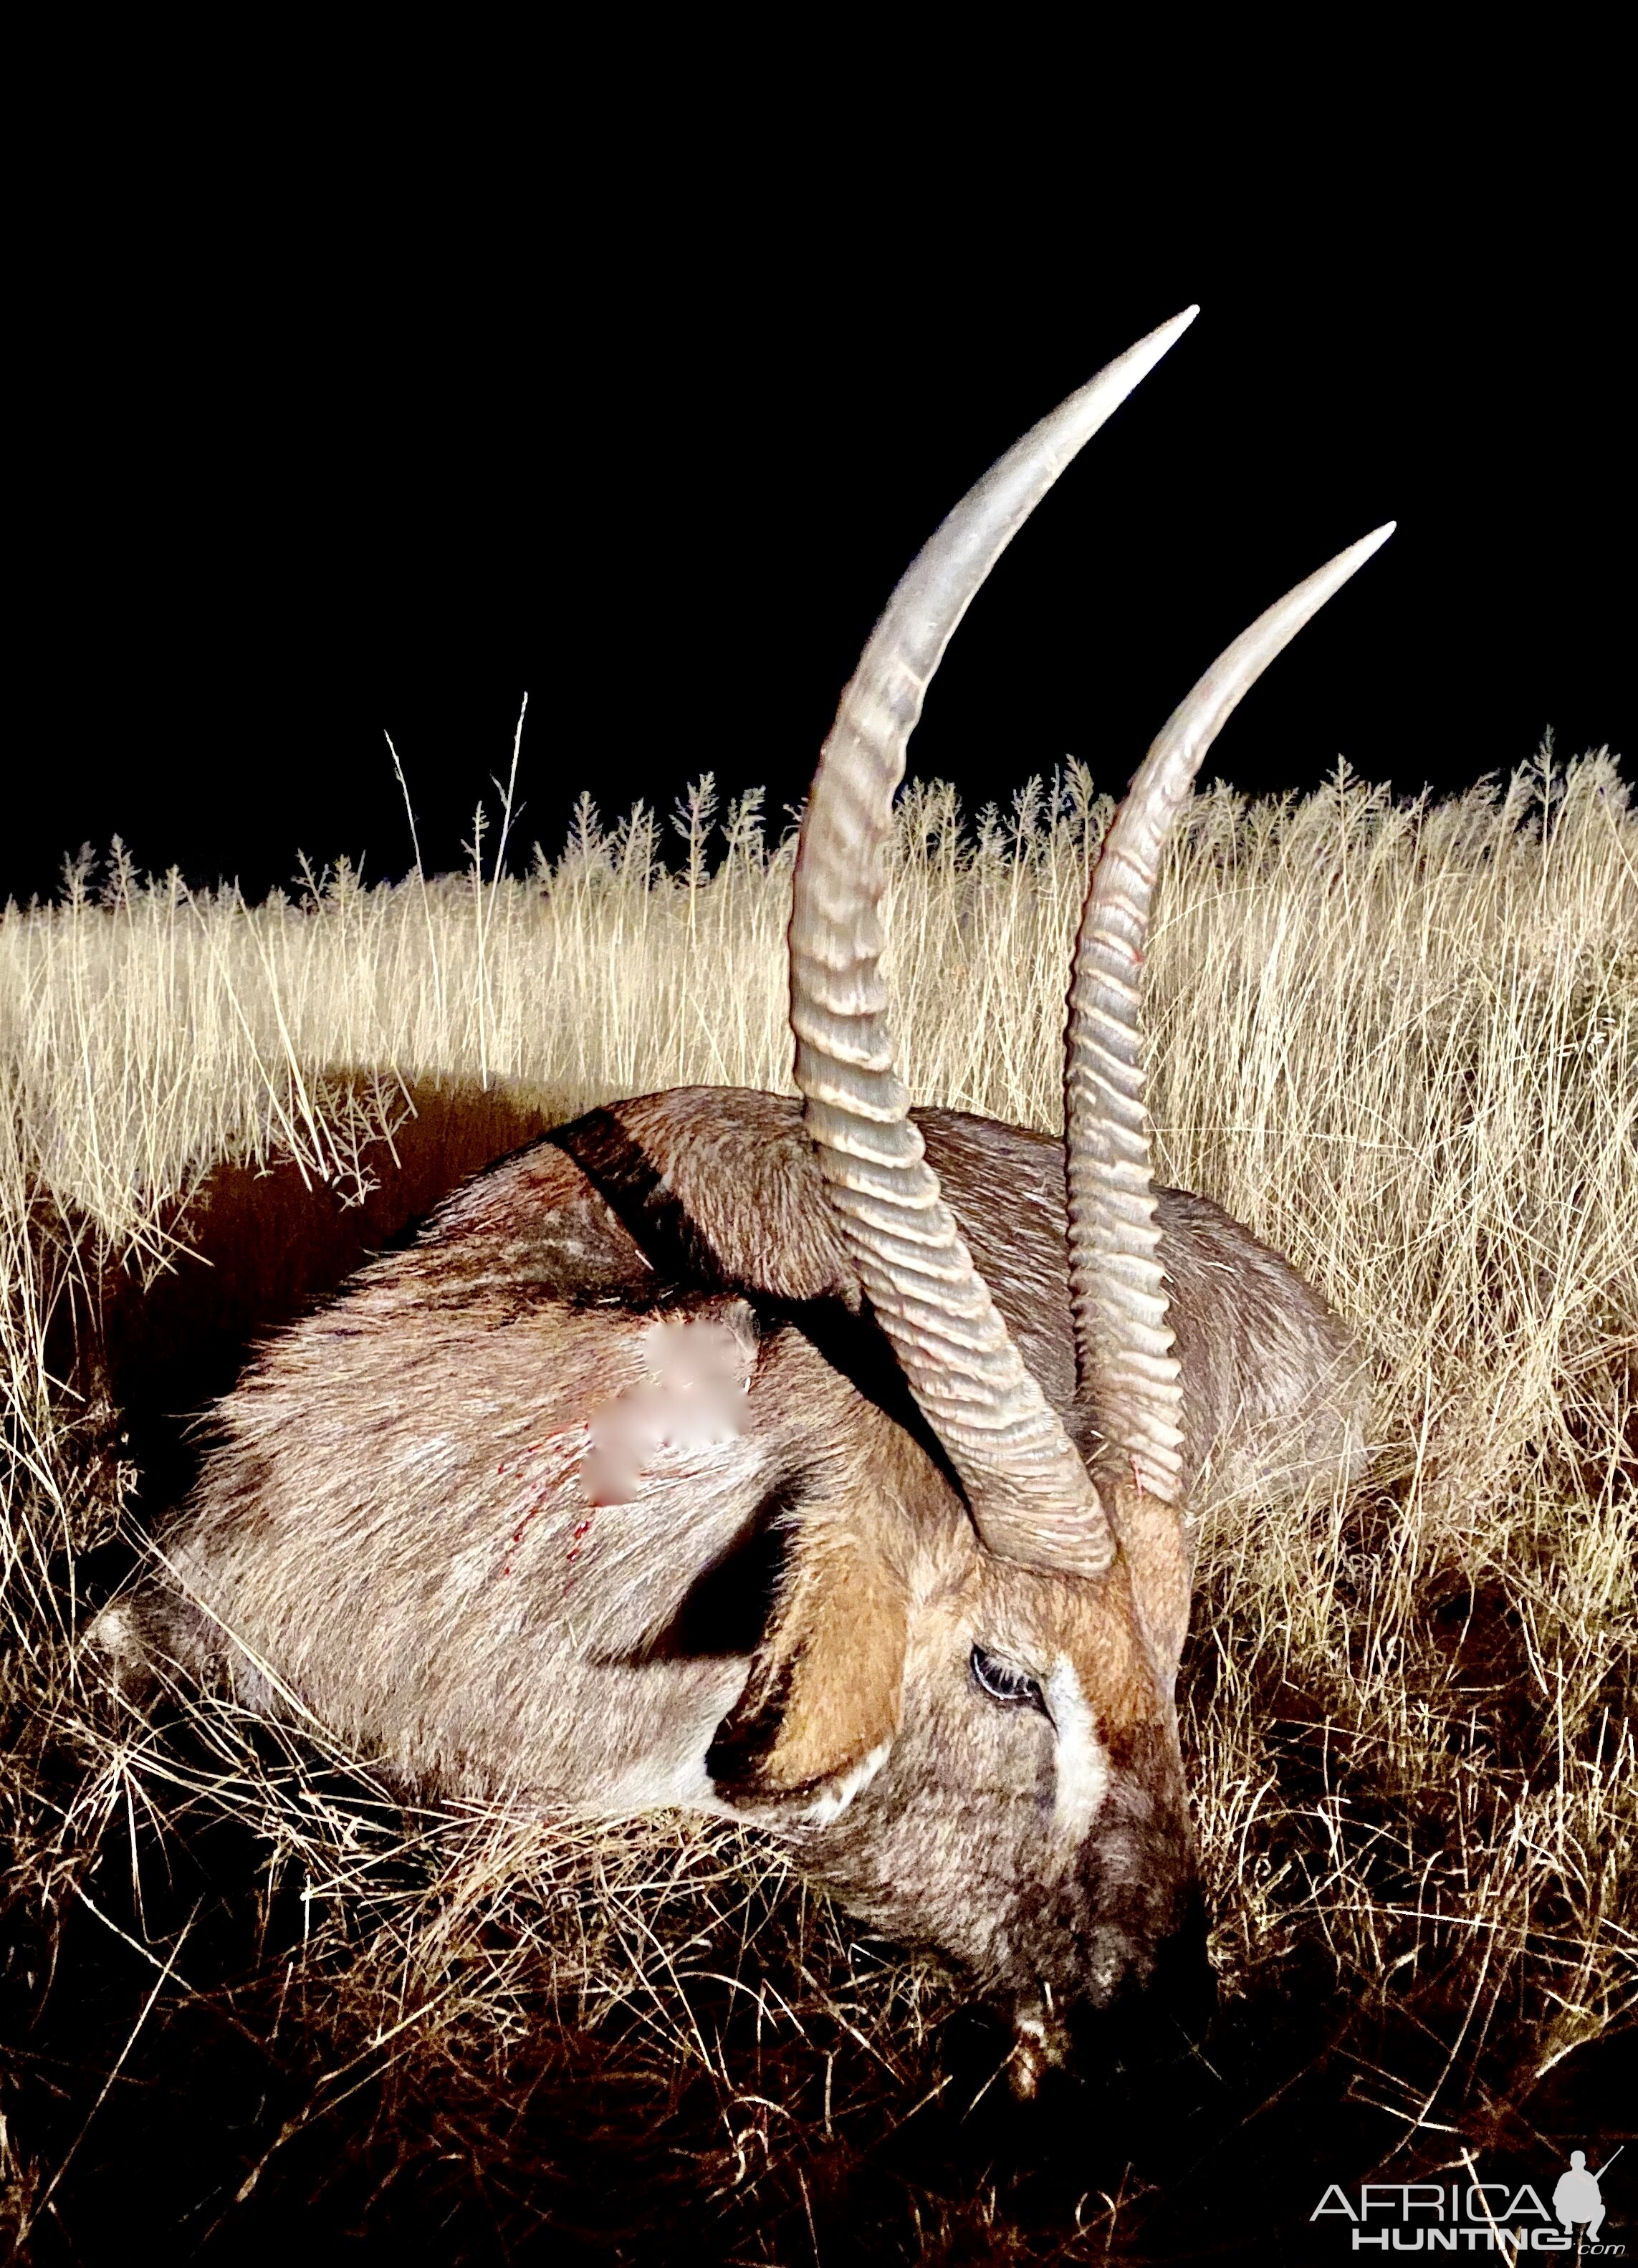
[1012,1688]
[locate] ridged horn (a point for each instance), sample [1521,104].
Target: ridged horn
[1030,1495]
[1128,1375]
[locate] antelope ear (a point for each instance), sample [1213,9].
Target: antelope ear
[1159,1552]
[821,1707]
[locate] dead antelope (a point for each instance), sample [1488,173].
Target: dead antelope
[830,1465]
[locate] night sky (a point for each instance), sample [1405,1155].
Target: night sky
[663,476]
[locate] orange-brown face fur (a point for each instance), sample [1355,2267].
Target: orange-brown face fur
[1039,1838]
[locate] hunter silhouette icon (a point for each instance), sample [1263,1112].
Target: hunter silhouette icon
[1578,2198]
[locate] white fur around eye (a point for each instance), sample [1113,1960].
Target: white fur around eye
[1082,1759]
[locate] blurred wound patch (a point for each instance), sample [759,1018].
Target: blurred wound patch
[697,1374]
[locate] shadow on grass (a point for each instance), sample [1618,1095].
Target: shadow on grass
[262,1246]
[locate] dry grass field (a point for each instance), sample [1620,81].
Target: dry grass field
[254,1996]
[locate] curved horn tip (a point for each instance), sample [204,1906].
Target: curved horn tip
[1287,615]
[1360,552]
[1161,341]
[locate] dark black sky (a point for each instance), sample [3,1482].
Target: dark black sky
[297,472]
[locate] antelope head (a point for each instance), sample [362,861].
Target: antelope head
[964,1721]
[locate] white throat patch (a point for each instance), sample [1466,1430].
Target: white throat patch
[1082,1759]
[845,1788]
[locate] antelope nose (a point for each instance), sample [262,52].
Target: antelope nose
[1040,2041]
[1161,2006]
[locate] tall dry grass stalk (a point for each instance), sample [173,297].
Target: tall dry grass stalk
[1401,1041]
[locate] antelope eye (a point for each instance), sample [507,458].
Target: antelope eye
[1012,1688]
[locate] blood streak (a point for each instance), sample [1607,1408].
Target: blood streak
[541,1495]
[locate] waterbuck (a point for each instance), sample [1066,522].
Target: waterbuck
[827,1464]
